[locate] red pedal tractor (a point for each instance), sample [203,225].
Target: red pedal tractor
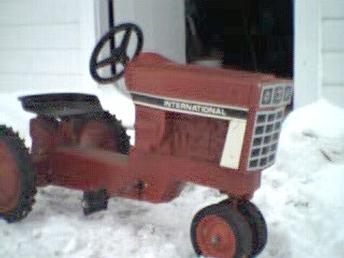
[213,127]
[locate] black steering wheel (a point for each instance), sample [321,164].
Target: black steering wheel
[118,55]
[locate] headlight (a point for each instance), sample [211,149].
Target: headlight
[267,97]
[288,93]
[276,95]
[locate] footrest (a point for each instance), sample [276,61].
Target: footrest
[61,104]
[95,201]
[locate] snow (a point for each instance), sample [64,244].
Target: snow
[301,197]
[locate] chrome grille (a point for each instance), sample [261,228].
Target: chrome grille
[265,139]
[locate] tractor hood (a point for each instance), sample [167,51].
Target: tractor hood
[153,75]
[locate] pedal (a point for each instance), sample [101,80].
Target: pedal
[94,201]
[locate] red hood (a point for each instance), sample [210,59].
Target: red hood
[153,74]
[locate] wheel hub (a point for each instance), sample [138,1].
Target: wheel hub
[215,237]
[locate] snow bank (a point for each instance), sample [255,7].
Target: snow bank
[302,198]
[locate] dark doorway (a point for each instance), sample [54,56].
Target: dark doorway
[255,35]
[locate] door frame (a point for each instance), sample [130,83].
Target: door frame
[307,53]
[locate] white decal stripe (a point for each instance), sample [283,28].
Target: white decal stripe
[190,101]
[186,112]
[233,145]
[188,107]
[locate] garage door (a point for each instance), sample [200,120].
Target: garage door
[45,44]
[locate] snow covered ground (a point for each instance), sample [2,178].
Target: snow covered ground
[302,198]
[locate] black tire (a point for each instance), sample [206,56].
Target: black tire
[26,187]
[257,223]
[236,222]
[118,131]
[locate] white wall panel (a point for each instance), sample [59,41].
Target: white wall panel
[333,35]
[40,82]
[333,50]
[333,68]
[23,12]
[332,9]
[40,62]
[45,44]
[334,93]
[61,36]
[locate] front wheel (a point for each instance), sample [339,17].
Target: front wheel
[257,224]
[221,231]
[17,177]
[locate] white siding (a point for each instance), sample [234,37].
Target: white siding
[45,36]
[333,69]
[334,93]
[43,43]
[332,9]
[333,41]
[332,20]
[36,12]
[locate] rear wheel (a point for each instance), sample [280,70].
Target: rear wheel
[103,130]
[17,177]
[221,231]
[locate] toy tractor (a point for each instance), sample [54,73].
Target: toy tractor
[208,126]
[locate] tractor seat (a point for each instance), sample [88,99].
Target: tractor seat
[153,74]
[61,104]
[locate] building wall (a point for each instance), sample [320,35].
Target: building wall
[332,51]
[44,44]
